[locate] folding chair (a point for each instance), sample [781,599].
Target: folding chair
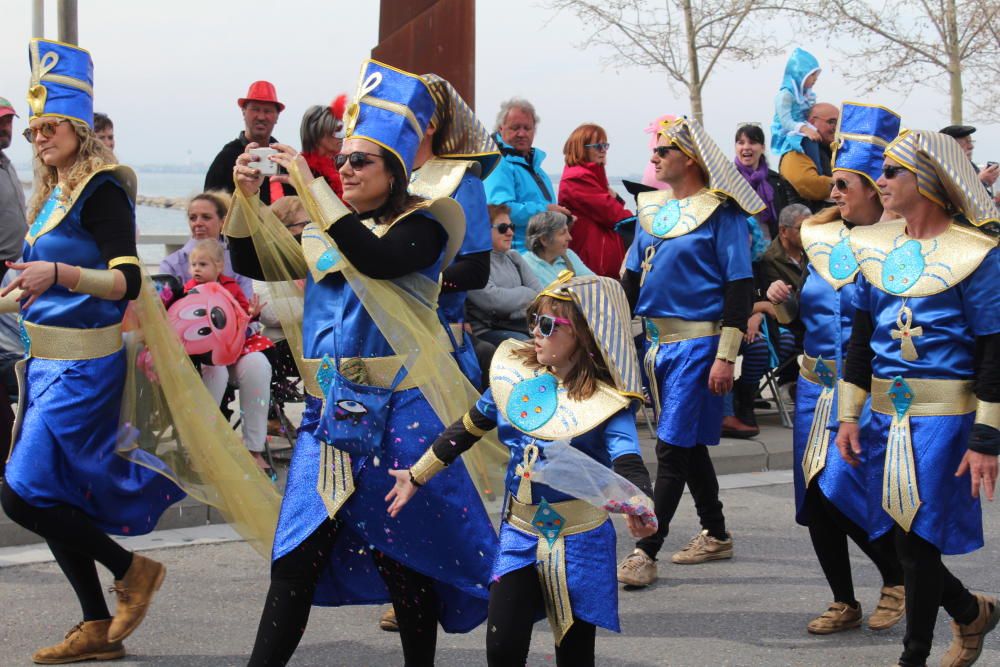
[770,381]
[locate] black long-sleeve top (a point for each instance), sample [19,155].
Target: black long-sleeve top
[108,216]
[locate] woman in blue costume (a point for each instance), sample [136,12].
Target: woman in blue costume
[688,274]
[335,544]
[829,494]
[79,270]
[574,382]
[925,344]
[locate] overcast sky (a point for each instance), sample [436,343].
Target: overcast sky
[169,74]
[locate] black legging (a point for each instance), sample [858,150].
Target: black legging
[929,585]
[677,466]
[76,544]
[829,529]
[515,600]
[293,583]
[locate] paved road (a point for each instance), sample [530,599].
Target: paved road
[748,611]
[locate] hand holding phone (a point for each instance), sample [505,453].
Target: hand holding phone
[261,161]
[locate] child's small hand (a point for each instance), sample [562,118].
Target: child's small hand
[811,132]
[401,492]
[255,306]
[637,527]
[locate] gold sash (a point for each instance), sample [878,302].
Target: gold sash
[824,373]
[662,330]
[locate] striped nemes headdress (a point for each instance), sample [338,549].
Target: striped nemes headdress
[460,134]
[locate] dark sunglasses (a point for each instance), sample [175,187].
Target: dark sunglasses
[358,159]
[47,130]
[504,227]
[598,147]
[892,172]
[662,151]
[840,184]
[546,324]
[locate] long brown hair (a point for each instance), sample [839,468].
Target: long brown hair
[589,366]
[400,200]
[91,155]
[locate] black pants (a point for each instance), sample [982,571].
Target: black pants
[76,544]
[829,529]
[929,585]
[677,466]
[293,583]
[515,601]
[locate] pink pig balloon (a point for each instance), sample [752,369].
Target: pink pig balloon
[210,324]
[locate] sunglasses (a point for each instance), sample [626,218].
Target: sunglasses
[891,172]
[840,184]
[546,324]
[598,147]
[358,159]
[661,151]
[504,227]
[47,130]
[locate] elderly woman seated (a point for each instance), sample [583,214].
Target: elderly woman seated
[548,250]
[498,311]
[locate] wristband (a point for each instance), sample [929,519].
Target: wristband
[426,467]
[850,400]
[988,414]
[729,344]
[96,282]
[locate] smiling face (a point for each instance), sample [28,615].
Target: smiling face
[748,151]
[367,186]
[259,119]
[58,151]
[204,220]
[518,130]
[858,201]
[671,168]
[900,192]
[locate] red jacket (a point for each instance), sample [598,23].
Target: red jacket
[584,191]
[231,286]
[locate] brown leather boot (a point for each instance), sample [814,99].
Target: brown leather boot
[732,427]
[135,592]
[890,610]
[388,621]
[86,641]
[967,640]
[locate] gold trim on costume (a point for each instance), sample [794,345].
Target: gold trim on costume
[692,212]
[579,516]
[124,259]
[330,205]
[988,414]
[95,282]
[944,261]
[335,482]
[850,401]
[819,240]
[674,330]
[729,344]
[66,344]
[12,302]
[807,368]
[931,398]
[377,372]
[818,440]
[471,427]
[438,177]
[125,177]
[426,467]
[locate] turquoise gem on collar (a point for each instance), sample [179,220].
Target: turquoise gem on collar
[328,260]
[533,402]
[324,374]
[548,522]
[903,267]
[901,396]
[827,375]
[843,263]
[667,217]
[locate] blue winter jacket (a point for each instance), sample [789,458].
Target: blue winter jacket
[522,185]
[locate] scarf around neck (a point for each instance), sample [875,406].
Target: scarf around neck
[757,178]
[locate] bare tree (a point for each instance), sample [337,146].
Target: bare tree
[685,38]
[900,44]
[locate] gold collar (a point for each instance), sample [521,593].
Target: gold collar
[829,251]
[664,217]
[896,264]
[126,178]
[536,404]
[438,177]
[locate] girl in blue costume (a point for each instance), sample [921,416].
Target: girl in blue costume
[335,544]
[574,382]
[79,269]
[829,494]
[790,129]
[924,343]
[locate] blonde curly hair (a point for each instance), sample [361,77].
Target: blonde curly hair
[91,155]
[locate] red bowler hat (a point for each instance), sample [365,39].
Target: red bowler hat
[261,91]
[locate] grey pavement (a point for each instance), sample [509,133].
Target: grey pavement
[751,610]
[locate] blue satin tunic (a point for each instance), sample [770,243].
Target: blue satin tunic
[590,556]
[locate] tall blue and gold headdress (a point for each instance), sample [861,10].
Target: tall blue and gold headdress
[720,172]
[945,175]
[605,307]
[392,109]
[862,135]
[62,81]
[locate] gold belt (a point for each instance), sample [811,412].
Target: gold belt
[458,331]
[807,368]
[578,516]
[381,372]
[673,329]
[929,397]
[68,344]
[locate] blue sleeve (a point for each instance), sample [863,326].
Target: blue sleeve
[620,434]
[632,260]
[732,243]
[783,112]
[862,294]
[471,194]
[981,296]
[486,406]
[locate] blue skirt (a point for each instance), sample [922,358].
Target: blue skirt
[590,570]
[949,517]
[65,453]
[689,413]
[444,531]
[841,484]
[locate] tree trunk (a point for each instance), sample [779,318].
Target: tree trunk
[694,78]
[954,61]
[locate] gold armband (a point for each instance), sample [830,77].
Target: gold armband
[238,221]
[729,344]
[96,282]
[330,207]
[426,467]
[124,259]
[850,400]
[469,426]
[988,414]
[11,303]
[783,313]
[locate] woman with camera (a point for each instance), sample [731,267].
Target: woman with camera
[369,407]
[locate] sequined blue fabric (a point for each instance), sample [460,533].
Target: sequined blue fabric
[689,413]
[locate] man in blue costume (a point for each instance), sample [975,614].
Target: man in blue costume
[689,275]
[925,344]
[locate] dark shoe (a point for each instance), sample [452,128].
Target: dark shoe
[86,641]
[839,617]
[967,640]
[734,428]
[135,592]
[388,621]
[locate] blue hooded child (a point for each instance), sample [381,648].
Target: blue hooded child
[790,126]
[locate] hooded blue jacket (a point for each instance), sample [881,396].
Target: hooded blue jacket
[522,185]
[792,103]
